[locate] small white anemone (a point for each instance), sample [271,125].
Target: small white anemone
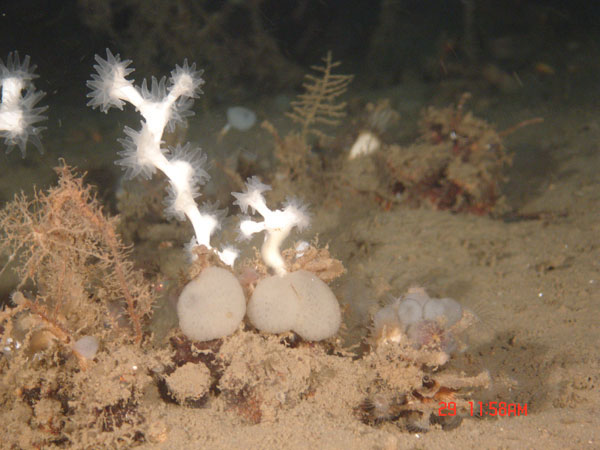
[238,118]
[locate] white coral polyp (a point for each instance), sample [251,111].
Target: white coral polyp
[18,111]
[140,153]
[186,81]
[253,196]
[109,86]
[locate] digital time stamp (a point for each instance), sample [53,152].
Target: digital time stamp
[498,409]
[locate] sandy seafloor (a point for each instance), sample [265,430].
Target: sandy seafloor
[534,283]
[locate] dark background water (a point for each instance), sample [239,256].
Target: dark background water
[253,50]
[380,41]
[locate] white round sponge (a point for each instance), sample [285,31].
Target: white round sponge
[297,301]
[211,306]
[273,307]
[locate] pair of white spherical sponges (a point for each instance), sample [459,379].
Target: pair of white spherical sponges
[213,305]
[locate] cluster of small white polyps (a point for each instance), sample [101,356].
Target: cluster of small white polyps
[161,107]
[276,224]
[18,112]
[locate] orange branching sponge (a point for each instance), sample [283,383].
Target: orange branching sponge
[83,281]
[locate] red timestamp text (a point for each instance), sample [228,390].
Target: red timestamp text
[499,409]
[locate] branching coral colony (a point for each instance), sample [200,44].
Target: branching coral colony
[80,308]
[161,108]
